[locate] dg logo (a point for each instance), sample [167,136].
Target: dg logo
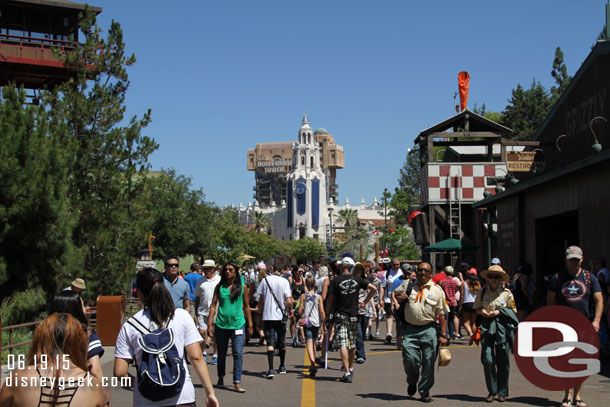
[557,348]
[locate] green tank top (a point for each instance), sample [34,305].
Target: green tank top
[230,313]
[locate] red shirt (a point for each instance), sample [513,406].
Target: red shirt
[449,286]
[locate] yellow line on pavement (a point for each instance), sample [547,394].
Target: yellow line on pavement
[308,389]
[395,351]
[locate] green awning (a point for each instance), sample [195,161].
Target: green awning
[452,245]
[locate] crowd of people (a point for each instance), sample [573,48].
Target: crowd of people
[338,306]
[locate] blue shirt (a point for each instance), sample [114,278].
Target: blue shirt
[179,290]
[192,279]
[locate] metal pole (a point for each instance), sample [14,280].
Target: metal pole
[385,218]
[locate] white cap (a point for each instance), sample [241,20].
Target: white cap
[346,261]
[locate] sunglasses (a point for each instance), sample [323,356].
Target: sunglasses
[170,265]
[493,277]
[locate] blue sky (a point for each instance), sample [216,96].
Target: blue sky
[221,76]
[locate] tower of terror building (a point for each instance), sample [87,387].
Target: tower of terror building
[272,163]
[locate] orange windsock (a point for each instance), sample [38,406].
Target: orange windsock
[463,84]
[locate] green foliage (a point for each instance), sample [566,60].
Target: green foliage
[19,335]
[230,236]
[35,217]
[400,244]
[410,177]
[560,74]
[526,110]
[107,157]
[180,219]
[307,249]
[261,245]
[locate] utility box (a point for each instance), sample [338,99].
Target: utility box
[110,312]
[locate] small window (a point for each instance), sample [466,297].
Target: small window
[311,162]
[302,160]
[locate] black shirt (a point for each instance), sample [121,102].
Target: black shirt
[345,289]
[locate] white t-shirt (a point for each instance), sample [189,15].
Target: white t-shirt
[468,296]
[320,283]
[185,333]
[388,282]
[281,290]
[204,289]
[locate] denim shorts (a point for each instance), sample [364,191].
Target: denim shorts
[311,332]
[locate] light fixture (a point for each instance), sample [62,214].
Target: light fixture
[597,147]
[486,194]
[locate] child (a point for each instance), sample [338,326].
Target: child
[311,313]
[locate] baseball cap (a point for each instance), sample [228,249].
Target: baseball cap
[406,267]
[574,252]
[261,266]
[495,260]
[449,270]
[346,261]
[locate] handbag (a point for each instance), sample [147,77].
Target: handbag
[284,311]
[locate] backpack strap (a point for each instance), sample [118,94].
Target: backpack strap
[138,326]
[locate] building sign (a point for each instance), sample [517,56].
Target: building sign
[274,167]
[524,161]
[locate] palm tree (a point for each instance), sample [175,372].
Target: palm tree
[261,221]
[349,217]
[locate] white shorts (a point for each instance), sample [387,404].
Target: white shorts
[202,322]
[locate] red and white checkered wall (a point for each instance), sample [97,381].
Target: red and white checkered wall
[464,182]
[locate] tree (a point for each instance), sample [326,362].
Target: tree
[261,221]
[35,218]
[108,159]
[230,235]
[410,177]
[526,110]
[560,74]
[261,245]
[180,219]
[307,249]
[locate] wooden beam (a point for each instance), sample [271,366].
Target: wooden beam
[463,134]
[520,143]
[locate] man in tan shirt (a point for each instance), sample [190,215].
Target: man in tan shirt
[420,333]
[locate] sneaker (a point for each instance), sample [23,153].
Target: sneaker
[346,378]
[312,371]
[368,332]
[205,357]
[459,337]
[388,339]
[360,360]
[412,389]
[270,374]
[214,360]
[294,343]
[377,334]
[282,369]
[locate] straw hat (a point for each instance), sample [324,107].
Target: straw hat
[444,357]
[79,283]
[495,269]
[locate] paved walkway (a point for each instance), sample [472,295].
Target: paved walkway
[378,382]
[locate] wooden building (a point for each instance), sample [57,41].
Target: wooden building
[567,203]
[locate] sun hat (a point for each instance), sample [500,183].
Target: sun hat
[208,264]
[444,357]
[79,283]
[495,269]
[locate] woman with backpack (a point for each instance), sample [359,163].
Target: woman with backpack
[162,323]
[231,301]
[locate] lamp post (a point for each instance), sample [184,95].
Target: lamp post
[330,243]
[385,217]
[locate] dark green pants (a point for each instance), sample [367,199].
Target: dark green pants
[496,366]
[419,351]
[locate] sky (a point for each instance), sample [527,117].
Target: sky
[222,76]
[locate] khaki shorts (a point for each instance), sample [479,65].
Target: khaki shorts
[202,322]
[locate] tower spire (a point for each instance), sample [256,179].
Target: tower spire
[305,119]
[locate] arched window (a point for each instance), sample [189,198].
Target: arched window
[311,161]
[303,160]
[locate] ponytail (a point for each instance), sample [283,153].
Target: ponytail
[157,298]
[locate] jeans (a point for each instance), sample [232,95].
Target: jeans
[363,322]
[451,328]
[222,341]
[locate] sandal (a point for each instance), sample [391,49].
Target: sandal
[566,403]
[240,389]
[579,403]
